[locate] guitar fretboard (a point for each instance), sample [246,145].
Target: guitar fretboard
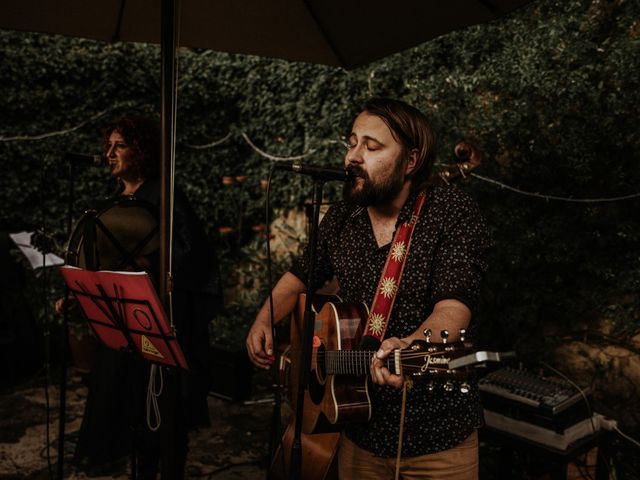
[350,362]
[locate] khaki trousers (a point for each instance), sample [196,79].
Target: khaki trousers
[457,463]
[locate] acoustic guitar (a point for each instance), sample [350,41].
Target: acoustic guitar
[337,391]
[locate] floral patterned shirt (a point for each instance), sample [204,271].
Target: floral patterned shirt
[446,261]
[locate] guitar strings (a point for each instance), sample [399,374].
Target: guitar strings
[357,354]
[357,361]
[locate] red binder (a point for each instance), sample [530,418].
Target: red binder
[124,312]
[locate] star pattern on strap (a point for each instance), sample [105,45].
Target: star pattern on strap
[376,323]
[388,287]
[398,251]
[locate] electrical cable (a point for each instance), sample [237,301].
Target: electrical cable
[554,197]
[264,154]
[615,428]
[626,437]
[223,469]
[67,131]
[583,473]
[574,385]
[586,400]
[152,397]
[269,156]
[268,246]
[70,437]
[47,335]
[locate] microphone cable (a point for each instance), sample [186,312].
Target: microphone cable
[275,436]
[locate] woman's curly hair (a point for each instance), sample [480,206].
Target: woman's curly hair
[142,135]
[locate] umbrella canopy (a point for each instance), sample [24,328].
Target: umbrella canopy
[331,32]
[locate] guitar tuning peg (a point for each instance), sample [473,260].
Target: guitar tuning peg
[465,387]
[448,387]
[463,334]
[430,387]
[427,335]
[445,335]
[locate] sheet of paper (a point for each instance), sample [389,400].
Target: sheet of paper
[23,241]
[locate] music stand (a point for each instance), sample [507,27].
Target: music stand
[125,313]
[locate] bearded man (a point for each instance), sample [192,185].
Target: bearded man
[390,155]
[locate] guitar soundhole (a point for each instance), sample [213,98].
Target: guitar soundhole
[317,377]
[321,371]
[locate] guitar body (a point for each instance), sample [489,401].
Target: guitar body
[319,451]
[319,456]
[332,400]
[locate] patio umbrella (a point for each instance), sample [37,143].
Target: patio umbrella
[339,33]
[344,33]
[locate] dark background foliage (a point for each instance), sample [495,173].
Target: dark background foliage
[550,93]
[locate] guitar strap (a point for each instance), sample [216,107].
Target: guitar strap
[380,311]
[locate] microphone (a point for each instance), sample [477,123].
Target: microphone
[321,173]
[82,159]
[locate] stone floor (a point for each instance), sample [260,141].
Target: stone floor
[234,447]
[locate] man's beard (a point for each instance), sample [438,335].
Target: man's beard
[370,194]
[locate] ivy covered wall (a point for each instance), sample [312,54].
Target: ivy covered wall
[550,93]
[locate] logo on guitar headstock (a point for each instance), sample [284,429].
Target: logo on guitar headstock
[433,360]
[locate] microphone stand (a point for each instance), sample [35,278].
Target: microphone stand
[64,351]
[307,335]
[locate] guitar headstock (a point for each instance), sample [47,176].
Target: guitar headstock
[423,359]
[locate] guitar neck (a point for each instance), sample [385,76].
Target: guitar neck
[351,362]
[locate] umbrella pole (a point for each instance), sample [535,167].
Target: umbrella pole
[167,126]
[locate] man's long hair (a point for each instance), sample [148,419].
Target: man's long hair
[409,127]
[142,135]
